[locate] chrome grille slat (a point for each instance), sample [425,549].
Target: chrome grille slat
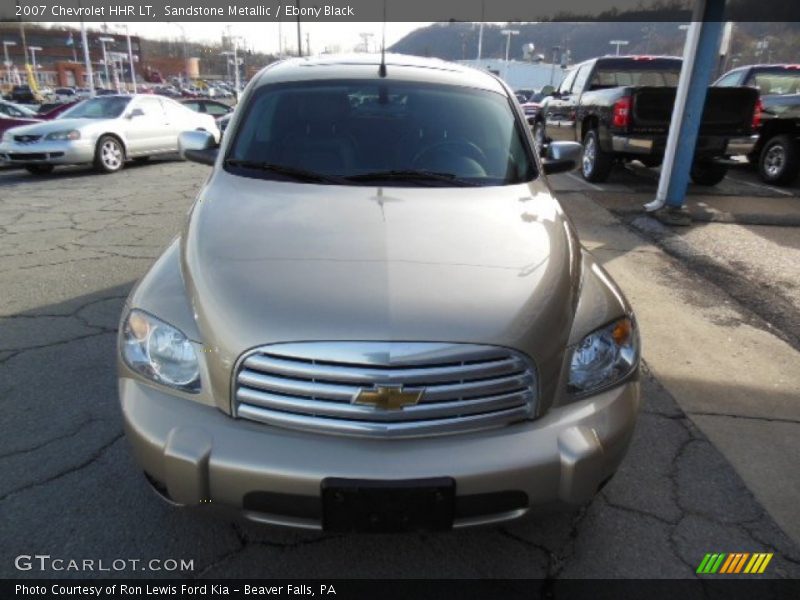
[368,375]
[313,385]
[359,412]
[371,428]
[344,393]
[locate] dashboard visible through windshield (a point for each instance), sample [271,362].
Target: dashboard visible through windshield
[393,133]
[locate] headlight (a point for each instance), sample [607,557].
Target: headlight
[604,357]
[159,352]
[64,135]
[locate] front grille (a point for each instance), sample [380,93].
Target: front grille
[312,386]
[27,139]
[27,156]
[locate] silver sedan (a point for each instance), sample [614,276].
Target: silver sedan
[105,132]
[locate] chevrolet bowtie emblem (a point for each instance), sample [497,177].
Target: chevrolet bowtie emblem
[388,397]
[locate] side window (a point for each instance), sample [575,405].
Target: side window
[216,110]
[195,106]
[580,80]
[566,85]
[151,107]
[730,80]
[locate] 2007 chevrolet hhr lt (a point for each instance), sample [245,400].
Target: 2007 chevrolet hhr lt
[377,316]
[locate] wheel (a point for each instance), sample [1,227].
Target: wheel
[596,163]
[109,155]
[539,137]
[708,173]
[650,161]
[39,169]
[141,159]
[779,160]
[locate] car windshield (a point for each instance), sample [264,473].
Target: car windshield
[392,133]
[98,108]
[10,109]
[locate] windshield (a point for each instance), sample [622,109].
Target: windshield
[394,133]
[98,108]
[10,109]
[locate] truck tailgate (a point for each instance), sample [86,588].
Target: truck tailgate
[728,111]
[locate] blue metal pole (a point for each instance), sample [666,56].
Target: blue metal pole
[702,70]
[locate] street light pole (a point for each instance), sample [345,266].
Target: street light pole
[33,51]
[508,33]
[7,61]
[103,41]
[299,36]
[618,43]
[86,60]
[130,56]
[553,66]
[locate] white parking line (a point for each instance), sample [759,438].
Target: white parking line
[582,180]
[761,185]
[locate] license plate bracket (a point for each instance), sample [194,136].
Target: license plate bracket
[369,505]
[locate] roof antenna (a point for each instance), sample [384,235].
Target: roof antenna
[382,68]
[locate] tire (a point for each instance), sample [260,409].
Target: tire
[39,169]
[779,160]
[539,137]
[109,155]
[596,163]
[708,173]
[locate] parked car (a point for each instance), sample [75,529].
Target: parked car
[105,132]
[777,150]
[620,108]
[65,94]
[23,94]
[11,109]
[209,107]
[377,317]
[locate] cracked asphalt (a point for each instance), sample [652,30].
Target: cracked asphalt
[71,246]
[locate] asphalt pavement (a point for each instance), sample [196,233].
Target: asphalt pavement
[71,246]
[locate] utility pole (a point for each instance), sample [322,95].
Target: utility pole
[308,44]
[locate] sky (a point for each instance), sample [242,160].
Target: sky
[263,37]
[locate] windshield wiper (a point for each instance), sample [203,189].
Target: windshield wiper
[412,175]
[291,172]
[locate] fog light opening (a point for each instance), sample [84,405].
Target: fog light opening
[160,489]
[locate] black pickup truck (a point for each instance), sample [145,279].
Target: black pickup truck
[620,108]
[777,151]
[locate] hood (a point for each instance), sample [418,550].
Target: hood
[270,262]
[45,127]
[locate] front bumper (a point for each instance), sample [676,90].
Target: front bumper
[200,455]
[47,152]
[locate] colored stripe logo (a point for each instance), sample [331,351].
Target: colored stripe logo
[734,563]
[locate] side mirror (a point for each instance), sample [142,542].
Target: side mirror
[136,112]
[198,146]
[562,157]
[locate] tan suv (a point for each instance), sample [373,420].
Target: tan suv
[377,316]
